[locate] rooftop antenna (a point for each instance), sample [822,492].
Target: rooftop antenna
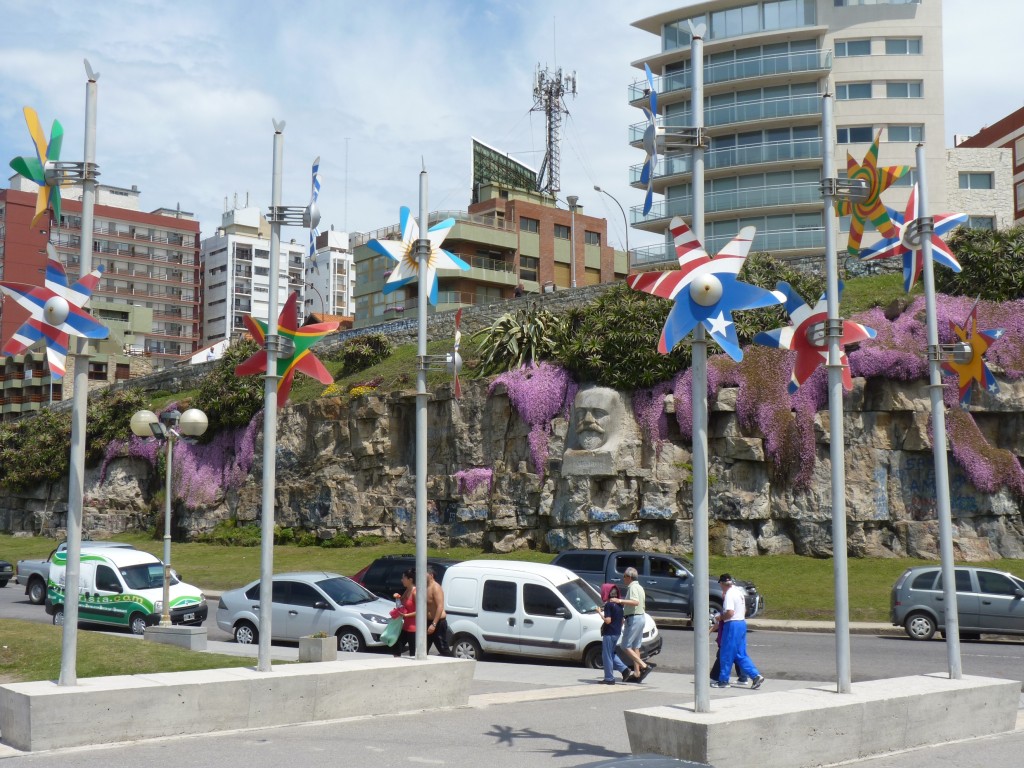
[549,91]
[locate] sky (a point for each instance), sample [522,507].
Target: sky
[188,91]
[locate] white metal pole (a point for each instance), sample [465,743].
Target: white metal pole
[925,228]
[165,617]
[423,256]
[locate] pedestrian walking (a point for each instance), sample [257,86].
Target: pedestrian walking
[634,608]
[611,631]
[733,619]
[405,606]
[437,630]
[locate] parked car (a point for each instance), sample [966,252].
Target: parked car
[667,579]
[306,603]
[383,576]
[987,602]
[528,609]
[6,573]
[33,574]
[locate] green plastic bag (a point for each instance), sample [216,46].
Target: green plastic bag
[392,631]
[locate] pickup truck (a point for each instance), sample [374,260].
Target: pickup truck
[6,573]
[33,574]
[667,580]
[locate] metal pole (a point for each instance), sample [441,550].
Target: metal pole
[622,210]
[79,406]
[165,617]
[423,256]
[699,397]
[270,414]
[572,242]
[837,449]
[942,510]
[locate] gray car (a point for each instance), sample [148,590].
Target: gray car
[306,603]
[988,601]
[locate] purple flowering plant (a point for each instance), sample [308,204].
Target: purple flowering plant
[468,480]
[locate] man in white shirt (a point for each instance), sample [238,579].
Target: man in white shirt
[734,636]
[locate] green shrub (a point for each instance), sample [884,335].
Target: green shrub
[360,353]
[369,540]
[992,261]
[229,400]
[35,450]
[338,541]
[284,535]
[306,539]
[528,335]
[229,533]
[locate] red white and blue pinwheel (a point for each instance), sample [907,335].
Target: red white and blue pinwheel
[705,290]
[650,142]
[56,313]
[970,368]
[806,337]
[907,241]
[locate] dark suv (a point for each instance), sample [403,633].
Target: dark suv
[383,576]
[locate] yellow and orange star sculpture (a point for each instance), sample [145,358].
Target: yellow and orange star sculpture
[974,369]
[871,208]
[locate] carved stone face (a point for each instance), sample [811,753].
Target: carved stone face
[596,417]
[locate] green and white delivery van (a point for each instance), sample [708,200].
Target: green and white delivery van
[123,588]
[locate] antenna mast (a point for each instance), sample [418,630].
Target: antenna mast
[549,92]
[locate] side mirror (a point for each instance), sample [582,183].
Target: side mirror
[561,613]
[1019,592]
[321,605]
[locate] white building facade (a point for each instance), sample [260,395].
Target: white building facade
[330,276]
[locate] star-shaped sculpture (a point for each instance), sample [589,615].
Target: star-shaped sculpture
[56,313]
[301,358]
[404,252]
[805,335]
[870,208]
[907,242]
[34,168]
[705,290]
[972,367]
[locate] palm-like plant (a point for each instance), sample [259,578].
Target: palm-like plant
[517,339]
[993,264]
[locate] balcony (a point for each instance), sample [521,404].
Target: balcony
[760,110]
[730,157]
[732,200]
[663,256]
[394,233]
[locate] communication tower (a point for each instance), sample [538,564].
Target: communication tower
[549,91]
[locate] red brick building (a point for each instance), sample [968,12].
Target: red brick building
[1007,133]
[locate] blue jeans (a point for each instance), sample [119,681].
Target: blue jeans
[734,651]
[611,660]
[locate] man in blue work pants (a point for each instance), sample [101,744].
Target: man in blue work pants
[734,636]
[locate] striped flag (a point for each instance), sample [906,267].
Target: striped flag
[314,231]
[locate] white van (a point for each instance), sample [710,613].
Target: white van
[529,609]
[125,588]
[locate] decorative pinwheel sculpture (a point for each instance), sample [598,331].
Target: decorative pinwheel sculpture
[705,290]
[455,359]
[404,252]
[56,313]
[301,358]
[35,168]
[878,179]
[971,367]
[907,242]
[314,231]
[650,142]
[806,336]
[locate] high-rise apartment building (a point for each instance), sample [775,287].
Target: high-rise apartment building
[331,277]
[767,65]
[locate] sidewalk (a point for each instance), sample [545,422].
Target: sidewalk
[786,625]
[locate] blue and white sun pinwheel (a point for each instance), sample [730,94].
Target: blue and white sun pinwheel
[705,290]
[404,252]
[650,142]
[56,313]
[907,242]
[314,231]
[806,336]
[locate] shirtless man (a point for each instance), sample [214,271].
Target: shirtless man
[437,630]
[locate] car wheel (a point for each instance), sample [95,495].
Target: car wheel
[919,626]
[3,583]
[58,617]
[592,657]
[714,611]
[246,634]
[36,592]
[138,624]
[350,640]
[466,647]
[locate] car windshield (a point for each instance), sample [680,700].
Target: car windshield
[581,596]
[145,576]
[345,591]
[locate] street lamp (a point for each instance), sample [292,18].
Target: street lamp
[572,200]
[168,427]
[623,210]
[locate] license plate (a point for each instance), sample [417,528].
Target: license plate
[189,617]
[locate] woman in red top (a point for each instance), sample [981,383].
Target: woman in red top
[406,608]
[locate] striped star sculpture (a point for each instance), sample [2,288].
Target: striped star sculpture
[705,290]
[301,359]
[404,252]
[907,242]
[973,369]
[805,336]
[56,312]
[34,168]
[878,179]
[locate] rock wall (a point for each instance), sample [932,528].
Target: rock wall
[349,467]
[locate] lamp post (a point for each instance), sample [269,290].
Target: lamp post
[169,426]
[572,200]
[625,221]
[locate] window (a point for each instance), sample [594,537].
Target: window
[903,46]
[106,579]
[853,47]
[924,580]
[528,267]
[898,89]
[529,225]
[976,181]
[499,596]
[855,134]
[981,222]
[561,232]
[962,577]
[591,238]
[540,601]
[1018,152]
[996,584]
[303,594]
[851,91]
[908,179]
[1020,196]
[909,133]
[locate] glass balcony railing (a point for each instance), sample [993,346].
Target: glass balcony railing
[732,200]
[739,69]
[752,154]
[744,112]
[663,256]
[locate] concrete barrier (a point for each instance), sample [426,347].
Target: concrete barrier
[105,710]
[817,726]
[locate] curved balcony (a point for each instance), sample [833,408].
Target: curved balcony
[663,256]
[731,157]
[741,69]
[732,200]
[742,112]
